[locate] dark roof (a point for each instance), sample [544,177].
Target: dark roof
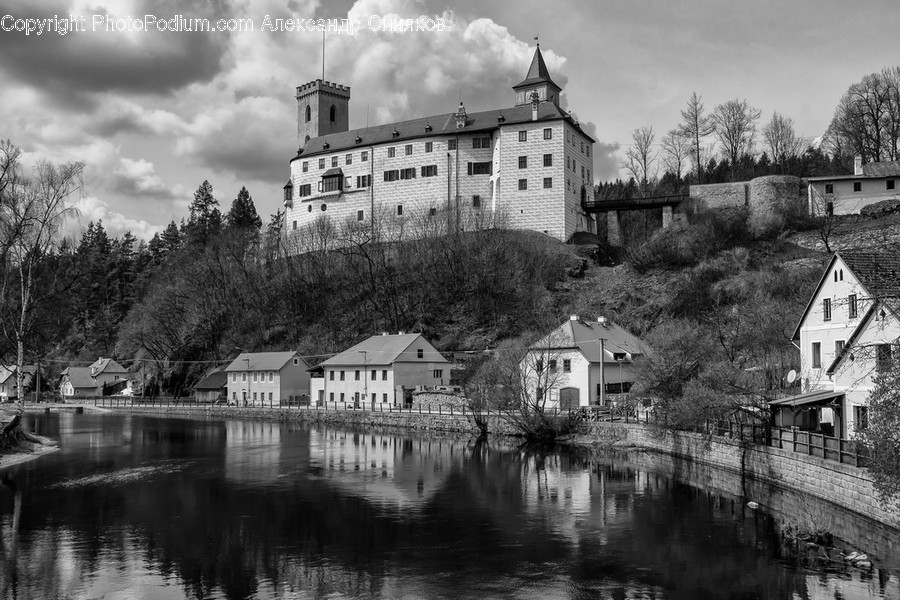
[817,397]
[334,171]
[440,125]
[80,377]
[537,72]
[380,350]
[107,365]
[213,381]
[882,169]
[261,361]
[586,335]
[878,270]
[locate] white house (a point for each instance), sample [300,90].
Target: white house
[848,194]
[847,332]
[580,363]
[9,384]
[268,379]
[372,372]
[76,382]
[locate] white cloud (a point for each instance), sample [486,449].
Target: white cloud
[92,209]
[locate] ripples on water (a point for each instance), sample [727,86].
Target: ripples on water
[140,507]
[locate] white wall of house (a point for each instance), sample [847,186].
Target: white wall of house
[846,199]
[262,388]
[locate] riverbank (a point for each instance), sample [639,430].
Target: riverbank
[12,459]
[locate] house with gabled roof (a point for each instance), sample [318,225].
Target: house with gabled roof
[8,381]
[848,332]
[268,379]
[212,388]
[380,371]
[581,362]
[849,194]
[109,376]
[76,382]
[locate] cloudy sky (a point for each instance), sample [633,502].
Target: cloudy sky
[153,114]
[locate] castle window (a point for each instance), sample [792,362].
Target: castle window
[548,133]
[582,171]
[523,184]
[334,161]
[431,212]
[588,148]
[399,210]
[308,115]
[304,190]
[309,208]
[429,171]
[332,113]
[348,160]
[567,163]
[523,136]
[408,173]
[324,207]
[479,168]
[409,149]
[305,166]
[476,142]
[523,162]
[360,215]
[364,156]
[306,140]
[857,186]
[548,160]
[332,183]
[392,175]
[548,182]
[363,181]
[451,144]
[476,201]
[392,152]
[295,225]
[568,184]
[582,147]
[429,146]
[321,163]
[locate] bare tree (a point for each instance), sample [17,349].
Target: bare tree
[867,118]
[676,148]
[781,139]
[695,127]
[735,128]
[32,209]
[640,157]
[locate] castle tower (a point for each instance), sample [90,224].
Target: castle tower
[537,80]
[322,108]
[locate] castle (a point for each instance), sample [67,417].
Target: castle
[523,167]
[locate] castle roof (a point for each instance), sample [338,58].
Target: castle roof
[537,72]
[433,126]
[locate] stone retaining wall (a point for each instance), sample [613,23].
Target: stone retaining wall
[844,485]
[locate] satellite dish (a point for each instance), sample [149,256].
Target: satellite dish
[792,376]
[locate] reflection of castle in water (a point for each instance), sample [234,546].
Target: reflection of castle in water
[393,471]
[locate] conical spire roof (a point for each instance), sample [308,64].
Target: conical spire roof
[537,72]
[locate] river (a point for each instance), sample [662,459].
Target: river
[146,507]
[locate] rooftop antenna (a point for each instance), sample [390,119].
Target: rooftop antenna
[323,55]
[367,115]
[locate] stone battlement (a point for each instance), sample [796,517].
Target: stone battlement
[324,86]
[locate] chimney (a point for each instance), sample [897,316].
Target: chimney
[573,317]
[857,165]
[601,320]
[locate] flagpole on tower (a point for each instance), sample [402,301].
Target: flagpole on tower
[323,55]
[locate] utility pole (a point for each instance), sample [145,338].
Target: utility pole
[247,398]
[602,373]
[365,378]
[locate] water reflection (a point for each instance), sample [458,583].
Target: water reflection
[135,507]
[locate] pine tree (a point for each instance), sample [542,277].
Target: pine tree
[243,213]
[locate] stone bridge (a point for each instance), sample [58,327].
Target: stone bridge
[615,208]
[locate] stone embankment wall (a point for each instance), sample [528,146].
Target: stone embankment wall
[721,195]
[844,485]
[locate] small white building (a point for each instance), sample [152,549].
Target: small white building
[581,363]
[380,371]
[847,334]
[268,379]
[849,194]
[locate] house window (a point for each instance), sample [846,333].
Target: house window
[567,365]
[826,309]
[234,378]
[429,146]
[857,186]
[548,133]
[334,161]
[829,188]
[272,374]
[331,375]
[331,397]
[392,175]
[523,162]
[399,210]
[360,215]
[438,373]
[451,144]
[889,184]
[374,374]
[391,152]
[479,168]
[816,355]
[255,377]
[384,398]
[851,306]
[342,376]
[342,396]
[429,171]
[408,149]
[254,396]
[357,375]
[523,184]
[523,136]
[548,160]
[476,201]
[384,374]
[270,397]
[552,365]
[408,173]
[838,347]
[305,166]
[243,377]
[321,163]
[548,182]
[363,181]
[364,156]
[882,358]
[861,417]
[420,353]
[539,366]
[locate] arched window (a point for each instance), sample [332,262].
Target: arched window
[306,140]
[332,113]
[308,113]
